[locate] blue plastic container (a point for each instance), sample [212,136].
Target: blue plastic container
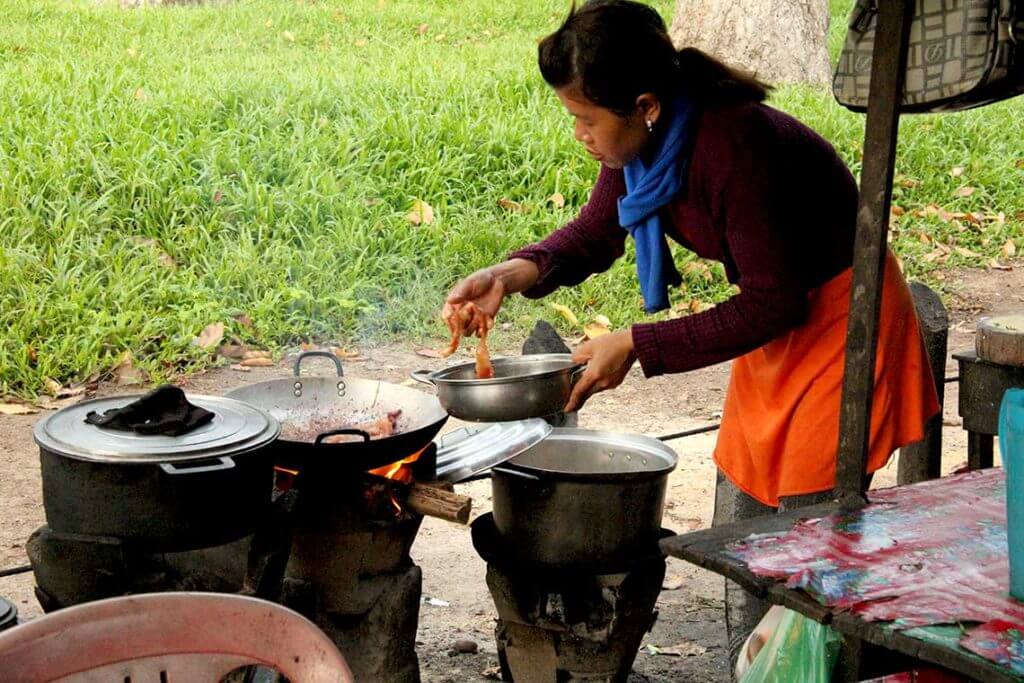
[1011,447]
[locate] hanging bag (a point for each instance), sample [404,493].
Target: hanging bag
[962,54]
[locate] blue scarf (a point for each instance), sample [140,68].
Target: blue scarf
[648,189]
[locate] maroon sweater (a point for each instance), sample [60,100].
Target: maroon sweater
[766,196]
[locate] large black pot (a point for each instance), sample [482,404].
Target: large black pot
[582,499]
[164,493]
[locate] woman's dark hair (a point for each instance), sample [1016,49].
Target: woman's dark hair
[616,50]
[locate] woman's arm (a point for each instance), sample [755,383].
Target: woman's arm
[586,245]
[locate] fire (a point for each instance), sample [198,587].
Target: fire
[400,471]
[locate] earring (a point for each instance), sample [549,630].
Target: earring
[650,126]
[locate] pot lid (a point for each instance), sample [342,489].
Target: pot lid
[472,450]
[8,614]
[236,428]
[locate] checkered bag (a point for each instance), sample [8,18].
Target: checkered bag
[962,54]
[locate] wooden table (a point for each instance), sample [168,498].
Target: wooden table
[713,549]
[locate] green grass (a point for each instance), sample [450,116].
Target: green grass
[272,150]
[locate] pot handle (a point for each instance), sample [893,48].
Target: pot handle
[223,463]
[322,354]
[338,432]
[423,377]
[516,473]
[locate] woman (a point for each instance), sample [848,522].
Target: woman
[689,151]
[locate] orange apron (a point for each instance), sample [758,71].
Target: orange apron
[780,424]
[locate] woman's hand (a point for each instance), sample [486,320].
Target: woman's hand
[609,359]
[488,288]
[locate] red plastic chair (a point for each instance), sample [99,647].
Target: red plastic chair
[168,638]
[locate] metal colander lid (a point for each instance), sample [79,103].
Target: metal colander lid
[236,428]
[471,450]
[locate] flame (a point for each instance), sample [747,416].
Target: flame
[399,471]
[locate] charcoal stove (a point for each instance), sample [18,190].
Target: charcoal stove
[334,546]
[572,624]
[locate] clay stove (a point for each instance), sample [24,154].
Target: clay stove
[579,624]
[334,546]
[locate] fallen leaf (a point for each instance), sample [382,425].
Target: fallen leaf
[362,42]
[255,353]
[166,260]
[510,205]
[492,673]
[372,201]
[910,183]
[217,196]
[257,363]
[243,320]
[996,265]
[439,37]
[140,94]
[235,351]
[17,409]
[964,251]
[696,306]
[698,269]
[346,354]
[132,52]
[268,23]
[211,336]
[897,210]
[238,367]
[421,213]
[422,29]
[673,583]
[602,320]
[1009,249]
[558,199]
[965,191]
[429,353]
[957,171]
[566,313]
[31,354]
[52,386]
[683,649]
[595,330]
[125,373]
[288,35]
[1020,163]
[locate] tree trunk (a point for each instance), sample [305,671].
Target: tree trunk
[779,41]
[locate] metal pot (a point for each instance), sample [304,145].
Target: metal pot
[162,492]
[582,498]
[523,387]
[301,400]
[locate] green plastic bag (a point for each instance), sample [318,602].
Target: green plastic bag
[799,649]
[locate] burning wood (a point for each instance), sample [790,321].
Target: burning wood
[432,501]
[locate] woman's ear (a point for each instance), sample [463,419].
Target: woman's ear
[648,106]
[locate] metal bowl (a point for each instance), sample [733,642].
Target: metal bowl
[523,387]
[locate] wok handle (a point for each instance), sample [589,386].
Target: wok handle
[338,432]
[423,377]
[322,354]
[224,463]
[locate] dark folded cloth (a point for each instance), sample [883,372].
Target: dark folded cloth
[164,411]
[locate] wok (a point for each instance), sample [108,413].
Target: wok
[343,401]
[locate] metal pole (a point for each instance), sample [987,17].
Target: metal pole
[887,71]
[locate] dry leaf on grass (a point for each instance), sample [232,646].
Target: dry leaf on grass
[250,354]
[566,313]
[897,210]
[965,191]
[257,363]
[909,183]
[996,265]
[362,42]
[510,205]
[52,386]
[963,251]
[234,351]
[346,354]
[421,213]
[602,320]
[238,367]
[1009,249]
[17,409]
[422,29]
[957,171]
[140,94]
[288,35]
[698,269]
[558,199]
[126,374]
[211,336]
[429,353]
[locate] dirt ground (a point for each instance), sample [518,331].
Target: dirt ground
[453,572]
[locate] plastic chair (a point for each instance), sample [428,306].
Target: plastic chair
[168,638]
